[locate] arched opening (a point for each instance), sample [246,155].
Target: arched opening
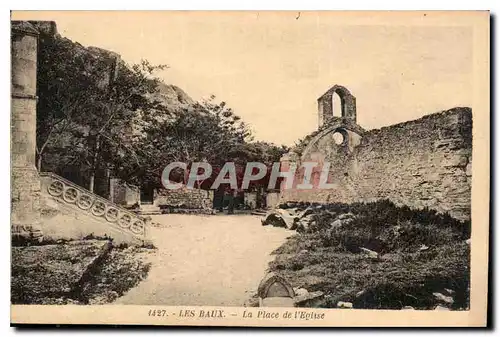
[339,137]
[337,105]
[338,102]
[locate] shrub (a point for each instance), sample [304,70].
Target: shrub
[420,252]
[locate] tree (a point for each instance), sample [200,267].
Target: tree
[66,83]
[208,132]
[205,131]
[98,116]
[87,107]
[110,126]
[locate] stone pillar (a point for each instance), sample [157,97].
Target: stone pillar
[25,188]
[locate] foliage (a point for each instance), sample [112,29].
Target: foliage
[121,270]
[98,116]
[203,132]
[329,258]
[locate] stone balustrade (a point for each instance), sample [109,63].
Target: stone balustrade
[70,193]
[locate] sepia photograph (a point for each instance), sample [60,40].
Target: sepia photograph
[250,168]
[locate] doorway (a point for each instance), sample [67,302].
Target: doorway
[147,195]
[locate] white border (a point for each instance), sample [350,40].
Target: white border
[186,4]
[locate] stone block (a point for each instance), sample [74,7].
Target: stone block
[275,291]
[344,305]
[309,300]
[277,302]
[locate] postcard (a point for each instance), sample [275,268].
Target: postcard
[250,168]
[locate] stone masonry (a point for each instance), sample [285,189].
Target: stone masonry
[124,194]
[421,163]
[184,198]
[84,209]
[25,191]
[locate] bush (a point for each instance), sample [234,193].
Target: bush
[420,252]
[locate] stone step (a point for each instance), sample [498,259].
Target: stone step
[259,212]
[150,212]
[148,209]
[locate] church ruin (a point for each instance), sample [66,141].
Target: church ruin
[420,163]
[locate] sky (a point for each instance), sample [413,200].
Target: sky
[271,67]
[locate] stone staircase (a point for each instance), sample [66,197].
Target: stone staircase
[259,211]
[149,209]
[70,211]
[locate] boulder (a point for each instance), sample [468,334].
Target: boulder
[306,212]
[344,305]
[293,211]
[273,219]
[291,220]
[309,299]
[304,223]
[449,291]
[336,224]
[441,308]
[281,218]
[443,298]
[408,308]
[370,253]
[302,226]
[345,216]
[342,220]
[300,291]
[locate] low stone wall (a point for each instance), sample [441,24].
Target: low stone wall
[251,200]
[272,199]
[184,198]
[124,194]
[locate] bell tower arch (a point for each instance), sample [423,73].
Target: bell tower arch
[326,104]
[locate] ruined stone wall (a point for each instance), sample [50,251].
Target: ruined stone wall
[250,199]
[421,163]
[272,199]
[184,198]
[123,194]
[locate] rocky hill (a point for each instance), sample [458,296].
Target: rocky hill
[72,86]
[173,97]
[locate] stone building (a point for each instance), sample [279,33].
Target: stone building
[420,163]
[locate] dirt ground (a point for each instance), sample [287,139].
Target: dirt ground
[206,260]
